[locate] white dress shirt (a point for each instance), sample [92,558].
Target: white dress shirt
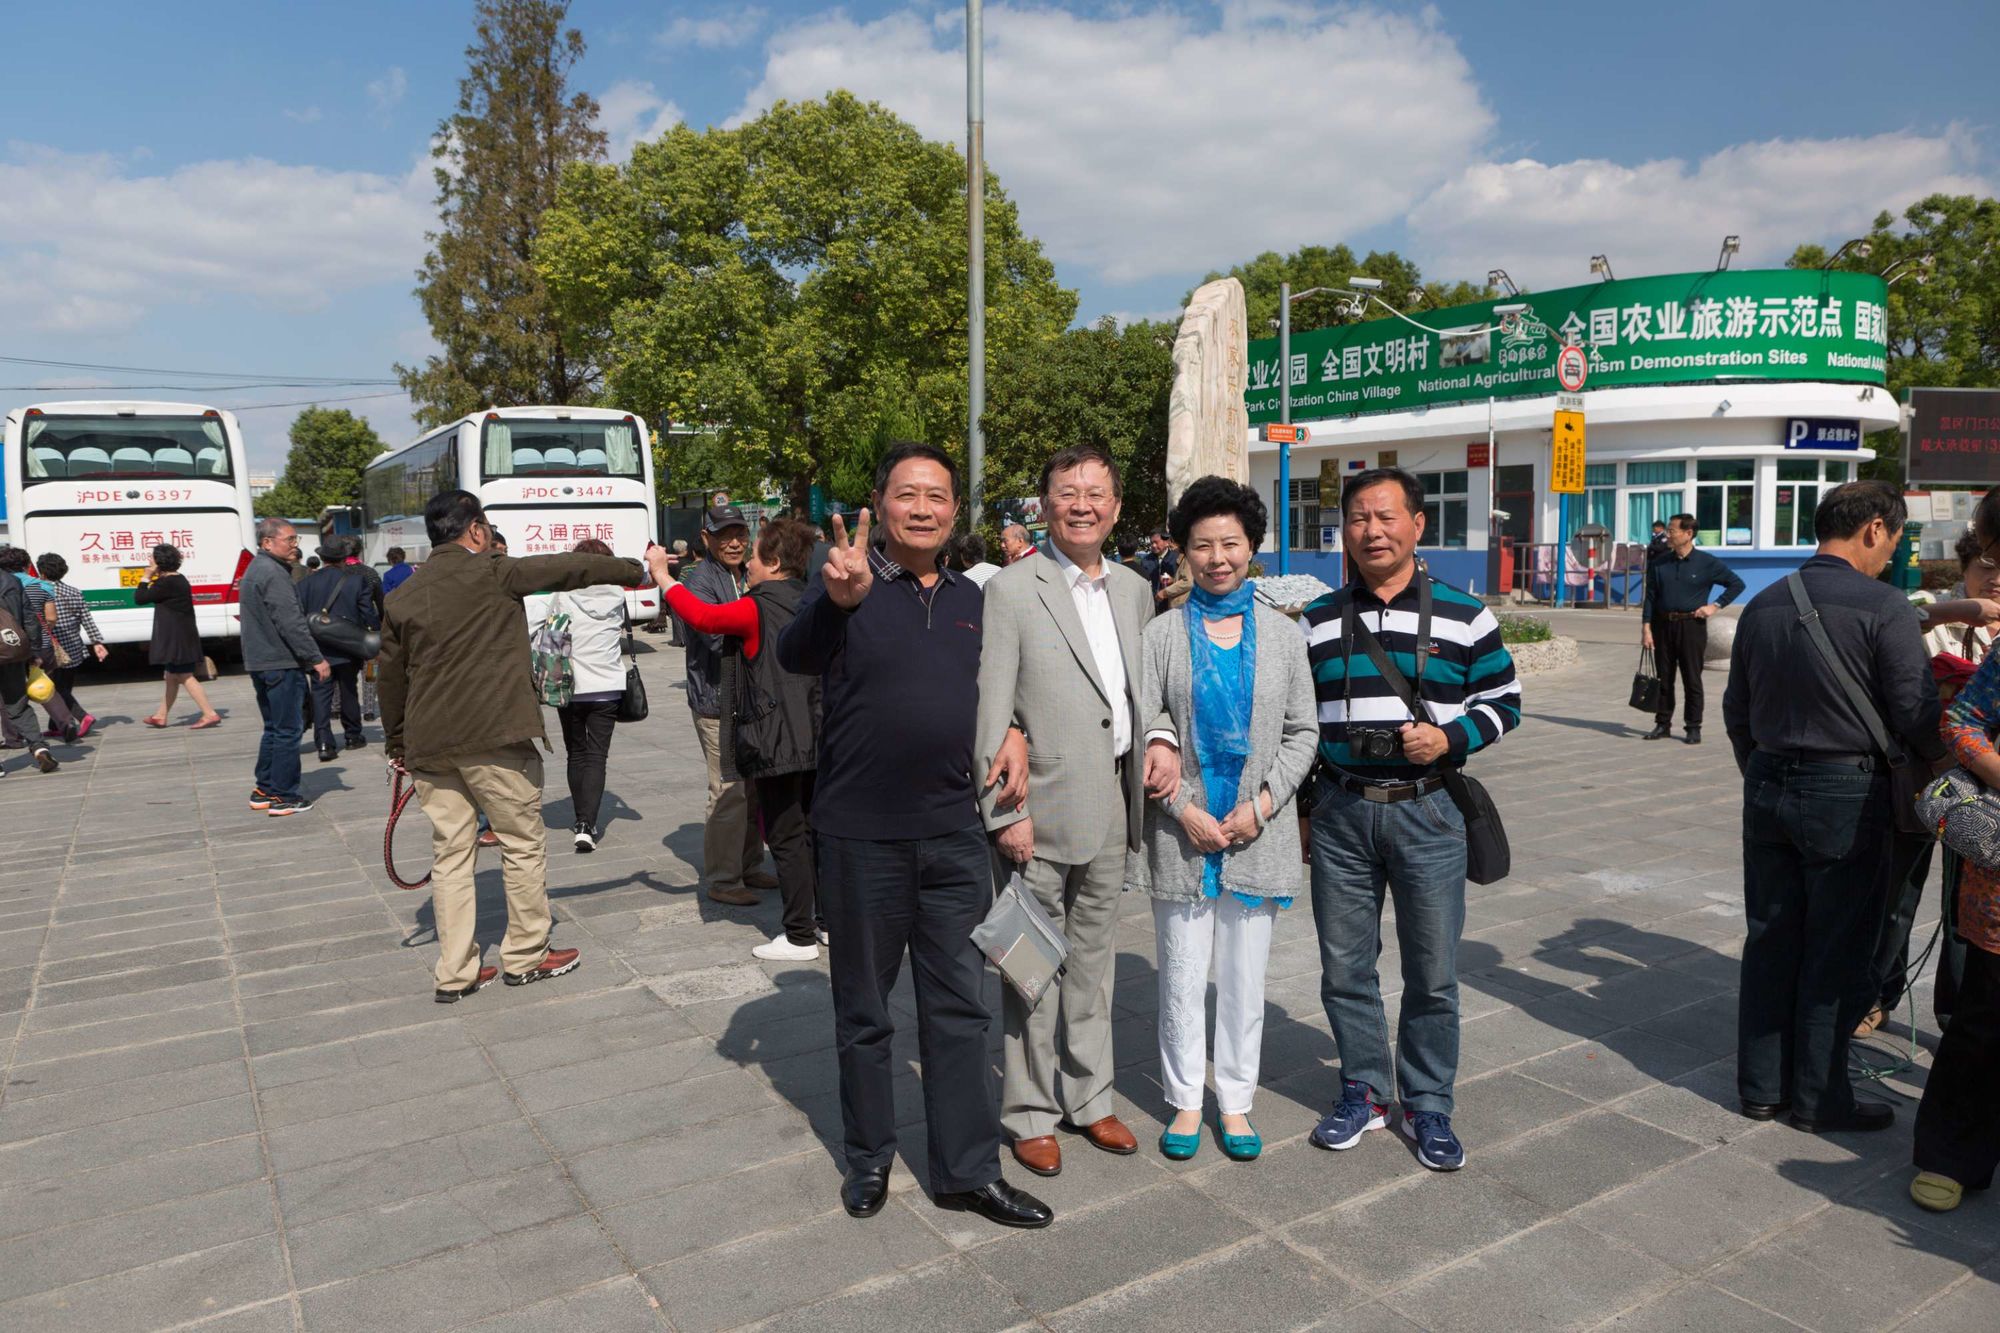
[1092,597]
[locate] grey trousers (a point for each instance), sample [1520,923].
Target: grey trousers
[1056,1060]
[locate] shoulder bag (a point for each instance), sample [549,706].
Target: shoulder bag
[340,636]
[1907,777]
[549,657]
[632,706]
[1488,857]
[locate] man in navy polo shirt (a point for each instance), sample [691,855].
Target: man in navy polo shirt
[903,860]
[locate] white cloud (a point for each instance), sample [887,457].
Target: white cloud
[304,115]
[1155,143]
[631,112]
[89,243]
[387,92]
[717,32]
[1543,221]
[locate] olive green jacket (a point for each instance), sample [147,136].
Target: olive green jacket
[453,678]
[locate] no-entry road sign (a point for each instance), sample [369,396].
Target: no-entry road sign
[1572,368]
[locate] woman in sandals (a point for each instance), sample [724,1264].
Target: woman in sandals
[176,646]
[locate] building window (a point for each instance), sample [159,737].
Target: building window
[1654,493]
[1725,501]
[1305,514]
[1801,482]
[1600,496]
[1444,508]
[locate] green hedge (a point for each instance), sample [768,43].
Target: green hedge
[1524,629]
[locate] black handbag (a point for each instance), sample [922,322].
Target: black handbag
[1646,684]
[341,637]
[632,705]
[1488,857]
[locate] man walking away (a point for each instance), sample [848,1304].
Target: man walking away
[1818,831]
[342,591]
[732,850]
[278,651]
[459,712]
[15,648]
[1384,818]
[903,860]
[1674,623]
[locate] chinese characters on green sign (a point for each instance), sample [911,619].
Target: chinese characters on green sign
[1689,328]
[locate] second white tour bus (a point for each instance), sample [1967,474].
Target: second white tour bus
[549,477]
[102,483]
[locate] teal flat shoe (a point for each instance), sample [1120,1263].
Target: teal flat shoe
[1179,1147]
[1241,1147]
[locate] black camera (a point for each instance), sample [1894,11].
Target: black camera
[1377,744]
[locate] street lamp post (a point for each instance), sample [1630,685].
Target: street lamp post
[975,284]
[1285,418]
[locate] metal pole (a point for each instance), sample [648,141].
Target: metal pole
[975,284]
[1285,418]
[1493,587]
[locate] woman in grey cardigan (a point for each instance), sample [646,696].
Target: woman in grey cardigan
[1221,858]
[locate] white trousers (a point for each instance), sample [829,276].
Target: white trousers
[1237,939]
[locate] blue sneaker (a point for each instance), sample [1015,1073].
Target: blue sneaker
[1357,1113]
[1437,1147]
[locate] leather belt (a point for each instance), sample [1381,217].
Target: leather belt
[1682,615]
[1385,792]
[1835,758]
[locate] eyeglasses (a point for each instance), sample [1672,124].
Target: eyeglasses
[1069,495]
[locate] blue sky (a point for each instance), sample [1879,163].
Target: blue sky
[248,191]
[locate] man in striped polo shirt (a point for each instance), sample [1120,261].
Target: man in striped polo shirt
[1382,817]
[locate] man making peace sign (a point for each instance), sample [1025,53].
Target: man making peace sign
[903,861]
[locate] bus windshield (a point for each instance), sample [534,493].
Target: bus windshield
[520,447]
[65,448]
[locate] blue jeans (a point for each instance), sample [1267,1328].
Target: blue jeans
[1416,851]
[1818,859]
[281,698]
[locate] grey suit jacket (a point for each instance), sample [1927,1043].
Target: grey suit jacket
[1036,672]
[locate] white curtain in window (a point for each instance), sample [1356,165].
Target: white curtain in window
[35,429]
[499,449]
[213,430]
[621,449]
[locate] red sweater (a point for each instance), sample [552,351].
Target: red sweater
[737,618]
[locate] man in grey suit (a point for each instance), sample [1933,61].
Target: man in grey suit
[1061,663]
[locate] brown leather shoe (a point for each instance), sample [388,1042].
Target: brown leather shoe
[738,897]
[1041,1154]
[1109,1134]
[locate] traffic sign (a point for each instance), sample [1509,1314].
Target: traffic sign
[1566,463]
[1569,402]
[1572,368]
[1272,432]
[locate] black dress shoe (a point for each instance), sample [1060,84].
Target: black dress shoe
[1765,1110]
[1694,736]
[1659,733]
[327,754]
[1002,1203]
[358,744]
[863,1192]
[1864,1116]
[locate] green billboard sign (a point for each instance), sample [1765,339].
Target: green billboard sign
[1684,328]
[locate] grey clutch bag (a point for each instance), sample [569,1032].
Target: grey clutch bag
[1018,938]
[1965,815]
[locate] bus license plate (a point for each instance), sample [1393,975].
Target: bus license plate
[129,577]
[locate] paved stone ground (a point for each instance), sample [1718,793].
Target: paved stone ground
[229,1101]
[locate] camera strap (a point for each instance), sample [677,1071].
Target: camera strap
[1352,628]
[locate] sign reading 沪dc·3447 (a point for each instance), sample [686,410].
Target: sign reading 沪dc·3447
[1686,328]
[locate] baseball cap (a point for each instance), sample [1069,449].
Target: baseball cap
[724,516]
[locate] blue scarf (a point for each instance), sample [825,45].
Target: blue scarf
[1222,700]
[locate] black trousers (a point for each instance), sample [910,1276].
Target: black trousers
[1958,1133]
[785,801]
[341,688]
[924,895]
[586,729]
[1817,858]
[1892,951]
[65,681]
[1679,646]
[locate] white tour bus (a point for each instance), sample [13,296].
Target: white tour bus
[548,476]
[102,483]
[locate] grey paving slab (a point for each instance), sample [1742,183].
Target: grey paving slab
[1584,1158]
[175,1291]
[1844,1270]
[1256,1286]
[1397,1235]
[1558,1276]
[65,1256]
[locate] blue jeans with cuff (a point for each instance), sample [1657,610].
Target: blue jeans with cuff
[281,698]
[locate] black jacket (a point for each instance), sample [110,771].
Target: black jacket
[770,716]
[345,593]
[176,637]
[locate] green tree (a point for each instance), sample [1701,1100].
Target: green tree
[330,449]
[790,284]
[1100,385]
[1944,308]
[500,158]
[1403,287]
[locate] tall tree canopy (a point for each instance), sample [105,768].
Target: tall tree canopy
[1100,385]
[330,448]
[1944,315]
[1313,266]
[500,159]
[791,284]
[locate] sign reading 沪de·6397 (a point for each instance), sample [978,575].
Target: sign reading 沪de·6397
[1689,328]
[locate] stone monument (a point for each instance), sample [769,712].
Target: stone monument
[1208,426]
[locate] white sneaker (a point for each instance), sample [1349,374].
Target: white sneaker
[821,932]
[586,838]
[781,950]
